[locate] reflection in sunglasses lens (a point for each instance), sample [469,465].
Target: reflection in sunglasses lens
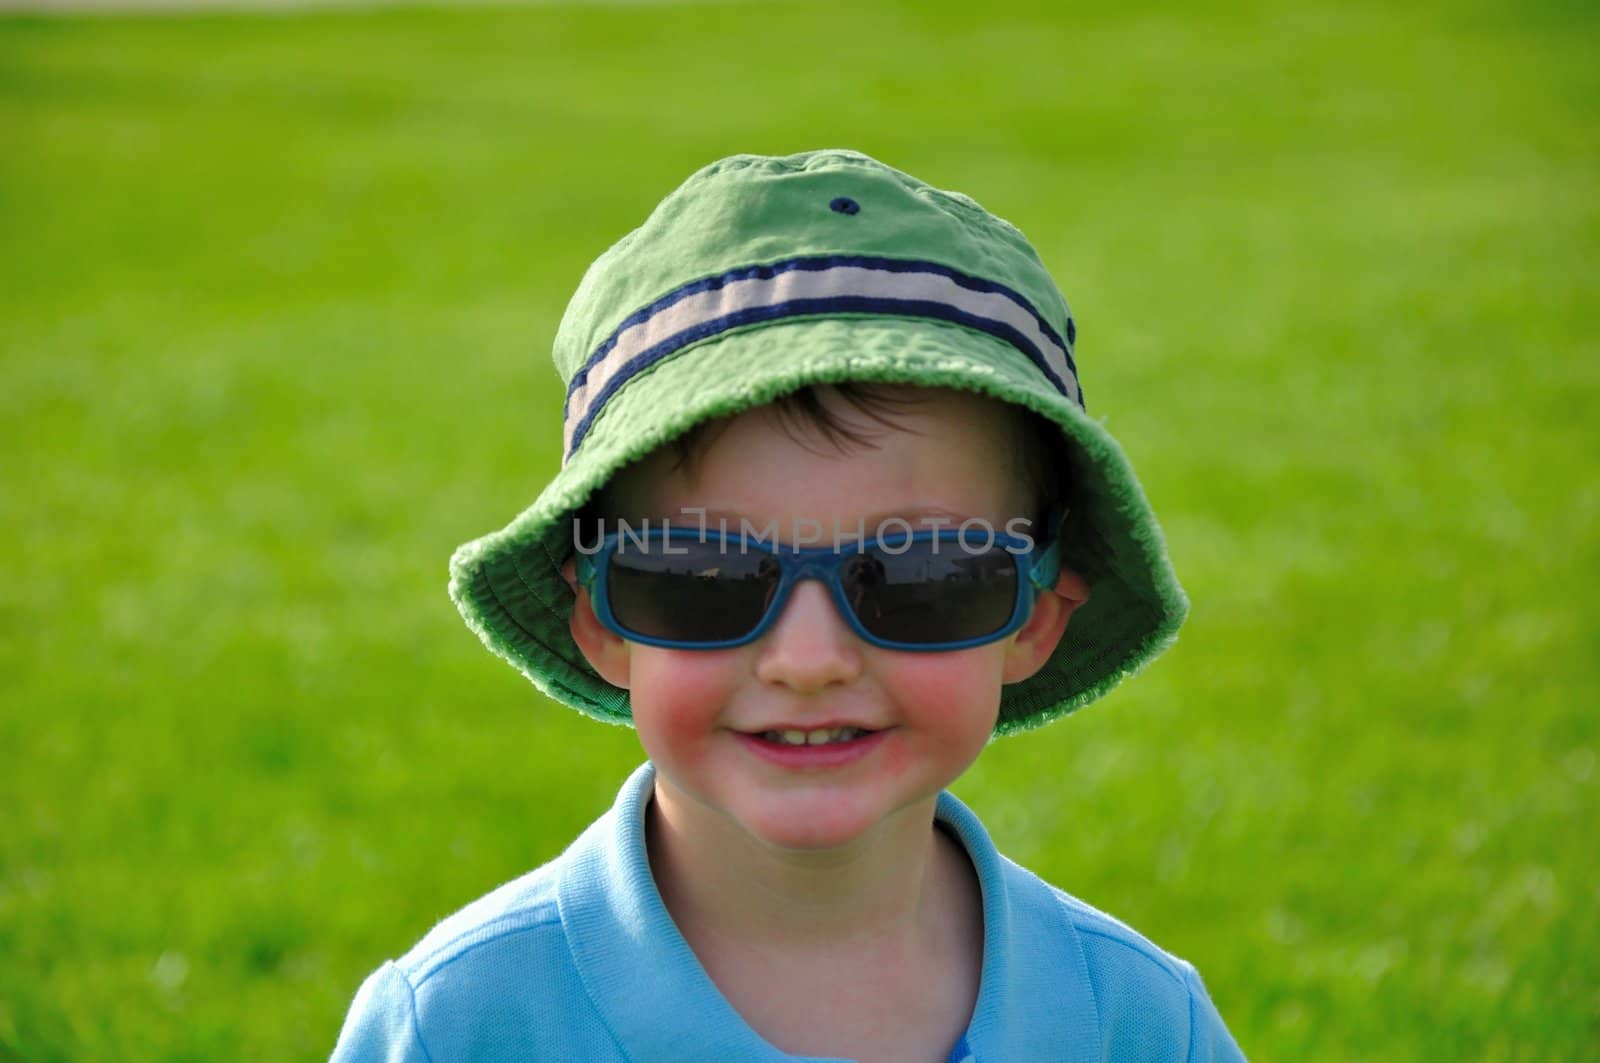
[931,593]
[706,593]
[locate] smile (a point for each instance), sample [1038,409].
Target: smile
[821,736]
[814,750]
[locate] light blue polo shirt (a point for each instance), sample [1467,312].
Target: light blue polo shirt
[579,962]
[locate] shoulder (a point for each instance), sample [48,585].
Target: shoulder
[1123,964]
[1116,950]
[1144,995]
[498,968]
[513,975]
[508,918]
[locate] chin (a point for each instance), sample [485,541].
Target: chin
[823,818]
[802,828]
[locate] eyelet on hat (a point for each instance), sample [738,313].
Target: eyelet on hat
[845,205]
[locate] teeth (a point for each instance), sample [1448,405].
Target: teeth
[821,736]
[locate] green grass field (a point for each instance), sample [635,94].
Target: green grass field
[276,301]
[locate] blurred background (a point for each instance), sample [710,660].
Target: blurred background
[277,293]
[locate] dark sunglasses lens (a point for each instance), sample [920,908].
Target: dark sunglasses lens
[696,592]
[932,592]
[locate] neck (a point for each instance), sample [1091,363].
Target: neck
[888,891]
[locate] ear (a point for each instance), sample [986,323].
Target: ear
[1037,639]
[603,648]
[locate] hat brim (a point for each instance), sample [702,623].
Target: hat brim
[510,590]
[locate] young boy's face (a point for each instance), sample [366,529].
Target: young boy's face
[950,455]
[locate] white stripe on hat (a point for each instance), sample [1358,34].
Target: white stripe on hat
[808,288]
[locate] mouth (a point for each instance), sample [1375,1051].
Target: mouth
[813,749]
[816,736]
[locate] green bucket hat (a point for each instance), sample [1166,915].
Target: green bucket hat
[761,275]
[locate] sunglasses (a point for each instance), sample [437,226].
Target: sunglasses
[684,588]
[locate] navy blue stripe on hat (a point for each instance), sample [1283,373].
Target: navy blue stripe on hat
[811,287]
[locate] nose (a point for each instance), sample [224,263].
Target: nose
[809,648]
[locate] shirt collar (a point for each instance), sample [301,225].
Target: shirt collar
[659,1003]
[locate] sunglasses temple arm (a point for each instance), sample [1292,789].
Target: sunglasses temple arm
[585,570]
[1046,567]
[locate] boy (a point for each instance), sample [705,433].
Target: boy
[831,517]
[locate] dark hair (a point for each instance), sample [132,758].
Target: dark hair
[1041,454]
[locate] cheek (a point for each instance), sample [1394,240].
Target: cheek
[950,688]
[678,695]
[953,695]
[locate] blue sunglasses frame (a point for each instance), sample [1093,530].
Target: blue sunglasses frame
[1037,570]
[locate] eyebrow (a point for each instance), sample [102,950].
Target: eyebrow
[871,521]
